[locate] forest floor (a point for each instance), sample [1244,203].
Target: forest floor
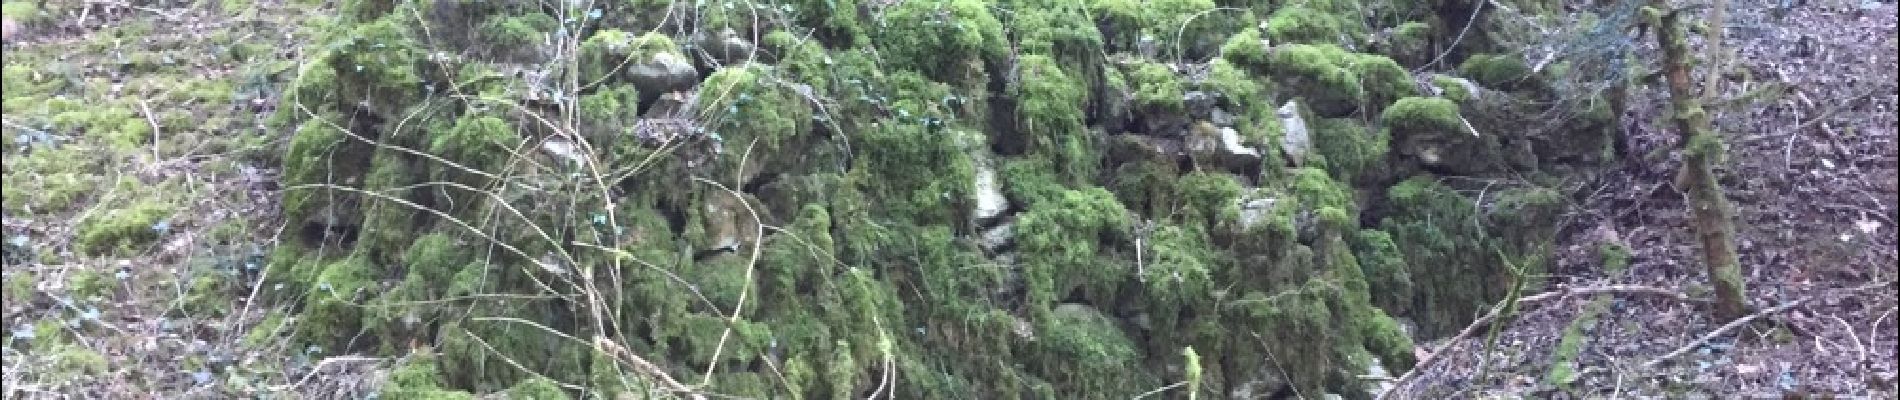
[144,120]
[1813,175]
[164,104]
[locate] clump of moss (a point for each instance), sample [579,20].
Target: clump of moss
[1614,257]
[419,378]
[1207,196]
[1060,243]
[1158,90]
[1247,48]
[1457,252]
[1191,29]
[1453,88]
[122,230]
[1304,24]
[378,62]
[1050,113]
[1431,130]
[1087,353]
[1352,152]
[516,35]
[745,108]
[942,40]
[1409,43]
[50,180]
[1424,115]
[332,312]
[609,51]
[1335,82]
[1497,71]
[1388,277]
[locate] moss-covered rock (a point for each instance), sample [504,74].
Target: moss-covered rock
[1431,130]
[1050,114]
[948,41]
[1060,243]
[1335,82]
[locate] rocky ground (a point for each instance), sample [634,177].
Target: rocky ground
[174,96]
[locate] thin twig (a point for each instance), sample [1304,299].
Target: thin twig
[147,110]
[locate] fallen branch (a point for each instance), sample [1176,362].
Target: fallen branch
[1743,321]
[1438,354]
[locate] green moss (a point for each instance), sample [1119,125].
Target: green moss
[22,12]
[1614,257]
[267,331]
[332,312]
[537,389]
[1061,30]
[1157,90]
[68,363]
[942,40]
[836,21]
[419,378]
[18,287]
[379,62]
[609,51]
[1424,114]
[90,284]
[1059,243]
[1206,196]
[1388,278]
[1454,88]
[482,142]
[1247,49]
[122,230]
[51,180]
[505,31]
[1335,82]
[1190,29]
[749,110]
[1177,269]
[1088,354]
[1050,113]
[1496,71]
[1315,190]
[804,61]
[1121,21]
[1563,361]
[606,114]
[1303,24]
[1386,340]
[1352,153]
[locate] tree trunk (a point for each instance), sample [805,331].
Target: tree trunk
[1701,148]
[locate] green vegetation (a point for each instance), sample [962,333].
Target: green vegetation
[800,226]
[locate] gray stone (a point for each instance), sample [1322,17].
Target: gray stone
[990,201]
[1134,148]
[1222,148]
[1377,379]
[1295,140]
[1200,105]
[1221,118]
[726,47]
[671,105]
[563,150]
[1260,384]
[665,72]
[998,238]
[1254,210]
